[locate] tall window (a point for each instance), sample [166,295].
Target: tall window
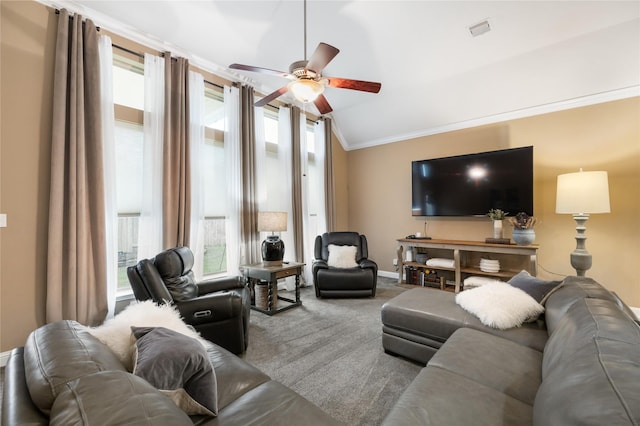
[215,204]
[128,76]
[314,180]
[128,97]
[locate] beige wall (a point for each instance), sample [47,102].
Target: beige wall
[599,137]
[372,185]
[26,61]
[341,188]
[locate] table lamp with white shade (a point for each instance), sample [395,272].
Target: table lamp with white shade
[582,194]
[273,246]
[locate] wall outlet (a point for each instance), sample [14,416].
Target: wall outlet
[395,262]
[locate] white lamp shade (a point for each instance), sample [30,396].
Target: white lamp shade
[272,221]
[306,90]
[583,192]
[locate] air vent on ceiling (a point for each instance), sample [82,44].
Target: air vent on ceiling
[480,28]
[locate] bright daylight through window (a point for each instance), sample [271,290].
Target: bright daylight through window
[128,76]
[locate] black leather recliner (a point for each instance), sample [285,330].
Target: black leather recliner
[330,281]
[218,309]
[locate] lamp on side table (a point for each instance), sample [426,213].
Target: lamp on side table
[273,246]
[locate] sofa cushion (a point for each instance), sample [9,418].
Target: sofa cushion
[498,363]
[234,376]
[114,398]
[591,368]
[58,353]
[178,366]
[272,403]
[439,397]
[500,305]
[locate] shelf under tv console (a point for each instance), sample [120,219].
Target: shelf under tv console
[466,257]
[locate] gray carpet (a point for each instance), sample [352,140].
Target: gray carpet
[330,352]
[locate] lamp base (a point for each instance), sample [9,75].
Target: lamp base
[580,257]
[272,251]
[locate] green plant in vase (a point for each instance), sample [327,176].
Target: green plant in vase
[497,216]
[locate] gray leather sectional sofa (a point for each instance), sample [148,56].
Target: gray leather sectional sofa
[66,376]
[580,366]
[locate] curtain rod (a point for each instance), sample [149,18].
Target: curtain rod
[141,55]
[71,15]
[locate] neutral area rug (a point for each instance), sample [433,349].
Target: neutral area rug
[330,352]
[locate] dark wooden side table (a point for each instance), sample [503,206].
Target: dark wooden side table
[271,274]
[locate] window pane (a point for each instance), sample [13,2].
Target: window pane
[128,146]
[213,109]
[215,246]
[129,138]
[311,140]
[215,199]
[270,128]
[214,186]
[127,248]
[128,82]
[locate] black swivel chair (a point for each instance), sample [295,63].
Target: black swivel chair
[218,309]
[357,281]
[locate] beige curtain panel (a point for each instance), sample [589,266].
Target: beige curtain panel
[249,236]
[76,263]
[296,190]
[328,177]
[176,192]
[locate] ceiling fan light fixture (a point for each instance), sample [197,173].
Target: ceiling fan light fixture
[306,90]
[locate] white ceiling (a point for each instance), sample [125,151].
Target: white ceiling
[539,56]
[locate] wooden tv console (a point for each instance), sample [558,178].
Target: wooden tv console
[466,257]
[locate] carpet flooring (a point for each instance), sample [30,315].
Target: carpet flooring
[330,352]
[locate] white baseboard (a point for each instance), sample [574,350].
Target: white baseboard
[387,274]
[4,357]
[636,311]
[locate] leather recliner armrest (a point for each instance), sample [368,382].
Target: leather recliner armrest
[219,284]
[320,264]
[210,308]
[368,264]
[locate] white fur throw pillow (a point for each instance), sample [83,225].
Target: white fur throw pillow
[116,332]
[499,305]
[342,256]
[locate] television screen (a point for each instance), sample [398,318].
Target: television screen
[471,185]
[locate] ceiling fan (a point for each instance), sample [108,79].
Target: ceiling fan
[307,82]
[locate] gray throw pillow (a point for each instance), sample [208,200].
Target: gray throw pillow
[534,287]
[178,366]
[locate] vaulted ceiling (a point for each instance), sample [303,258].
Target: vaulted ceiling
[538,56]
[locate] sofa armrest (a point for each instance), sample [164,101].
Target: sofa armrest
[17,406]
[212,307]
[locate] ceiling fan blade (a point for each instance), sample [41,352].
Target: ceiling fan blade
[323,54]
[323,105]
[345,83]
[281,91]
[260,70]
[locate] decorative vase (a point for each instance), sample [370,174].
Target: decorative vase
[523,237]
[497,229]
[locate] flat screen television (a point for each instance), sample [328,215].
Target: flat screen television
[471,185]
